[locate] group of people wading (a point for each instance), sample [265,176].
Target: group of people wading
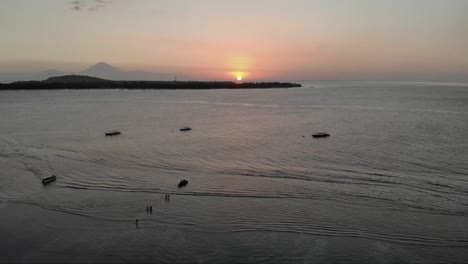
[149,208]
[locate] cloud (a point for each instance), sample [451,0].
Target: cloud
[88,5]
[97,4]
[76,5]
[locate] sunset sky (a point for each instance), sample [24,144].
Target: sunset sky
[258,39]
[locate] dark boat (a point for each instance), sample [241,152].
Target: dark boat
[182,183]
[49,179]
[320,135]
[113,133]
[187,128]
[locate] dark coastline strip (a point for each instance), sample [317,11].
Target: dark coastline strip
[142,85]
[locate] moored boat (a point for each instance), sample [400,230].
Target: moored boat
[182,183]
[49,179]
[112,133]
[320,135]
[186,128]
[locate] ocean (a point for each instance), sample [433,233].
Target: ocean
[390,185]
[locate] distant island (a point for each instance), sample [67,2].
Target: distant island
[88,82]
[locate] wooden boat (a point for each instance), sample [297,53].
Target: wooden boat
[182,183]
[113,133]
[187,128]
[49,179]
[320,135]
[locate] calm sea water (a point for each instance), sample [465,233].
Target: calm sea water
[389,185]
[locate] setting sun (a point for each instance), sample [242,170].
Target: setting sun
[238,75]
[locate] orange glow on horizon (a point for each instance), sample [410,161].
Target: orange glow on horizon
[238,75]
[240,66]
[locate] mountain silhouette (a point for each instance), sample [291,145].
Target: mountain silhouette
[109,72]
[74,79]
[102,70]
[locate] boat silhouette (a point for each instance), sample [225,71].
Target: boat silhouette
[320,135]
[49,179]
[186,128]
[182,183]
[112,133]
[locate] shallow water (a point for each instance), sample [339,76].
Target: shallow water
[389,185]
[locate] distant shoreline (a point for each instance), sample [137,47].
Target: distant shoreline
[77,82]
[146,85]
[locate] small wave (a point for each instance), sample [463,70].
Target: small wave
[347,107]
[334,232]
